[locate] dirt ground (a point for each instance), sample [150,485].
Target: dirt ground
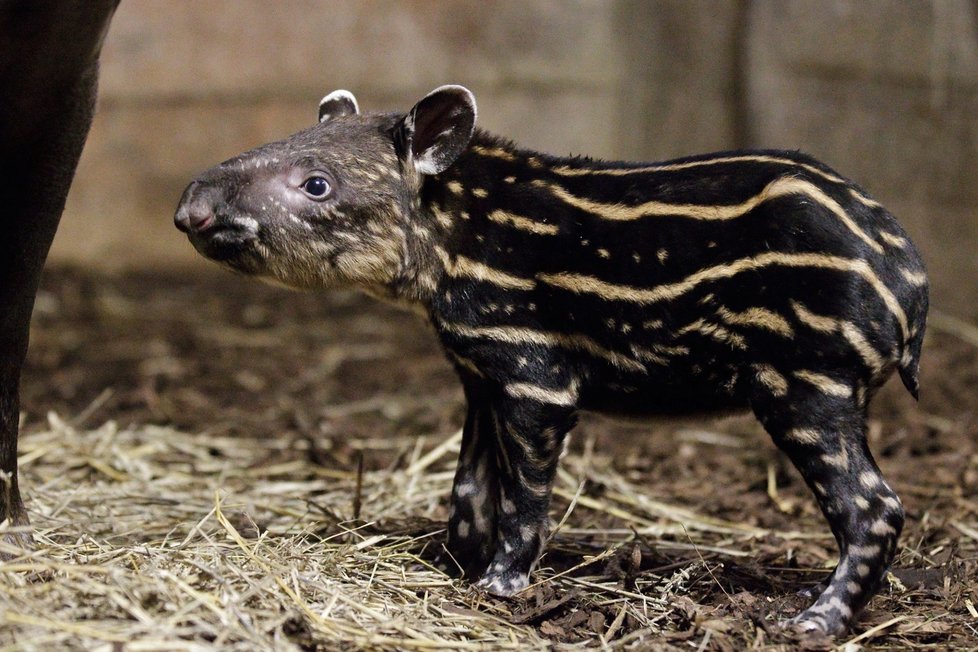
[705,515]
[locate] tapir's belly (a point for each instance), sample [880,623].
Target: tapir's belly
[664,394]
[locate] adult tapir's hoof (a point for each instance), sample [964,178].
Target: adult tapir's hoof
[15,534]
[15,544]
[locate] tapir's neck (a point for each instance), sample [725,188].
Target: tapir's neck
[502,215]
[499,214]
[476,216]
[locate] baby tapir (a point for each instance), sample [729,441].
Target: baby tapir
[758,280]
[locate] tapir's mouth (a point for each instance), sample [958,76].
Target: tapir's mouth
[223,242]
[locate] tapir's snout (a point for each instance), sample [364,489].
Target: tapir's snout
[214,229]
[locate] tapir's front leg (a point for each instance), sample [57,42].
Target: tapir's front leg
[529,437]
[50,54]
[475,494]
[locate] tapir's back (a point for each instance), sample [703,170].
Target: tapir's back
[671,285]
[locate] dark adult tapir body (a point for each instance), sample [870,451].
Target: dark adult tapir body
[758,280]
[48,74]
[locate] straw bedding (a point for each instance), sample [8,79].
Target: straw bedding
[226,466]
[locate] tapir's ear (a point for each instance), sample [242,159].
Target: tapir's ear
[336,104]
[437,129]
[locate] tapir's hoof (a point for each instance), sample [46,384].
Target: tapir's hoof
[16,544]
[503,584]
[807,623]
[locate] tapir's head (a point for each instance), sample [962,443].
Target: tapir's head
[332,204]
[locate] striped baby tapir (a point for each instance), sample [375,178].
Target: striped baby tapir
[754,280]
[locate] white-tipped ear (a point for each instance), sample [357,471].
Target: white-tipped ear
[336,104]
[438,129]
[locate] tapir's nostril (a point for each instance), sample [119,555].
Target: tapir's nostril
[182,220]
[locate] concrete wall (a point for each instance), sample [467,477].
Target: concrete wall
[886,91]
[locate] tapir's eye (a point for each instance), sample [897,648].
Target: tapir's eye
[316,187]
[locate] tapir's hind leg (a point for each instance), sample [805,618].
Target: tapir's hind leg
[820,423]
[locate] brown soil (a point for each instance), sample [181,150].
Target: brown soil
[347,377]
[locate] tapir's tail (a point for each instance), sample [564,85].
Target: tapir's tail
[910,359]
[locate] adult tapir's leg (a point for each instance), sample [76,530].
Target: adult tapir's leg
[48,74]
